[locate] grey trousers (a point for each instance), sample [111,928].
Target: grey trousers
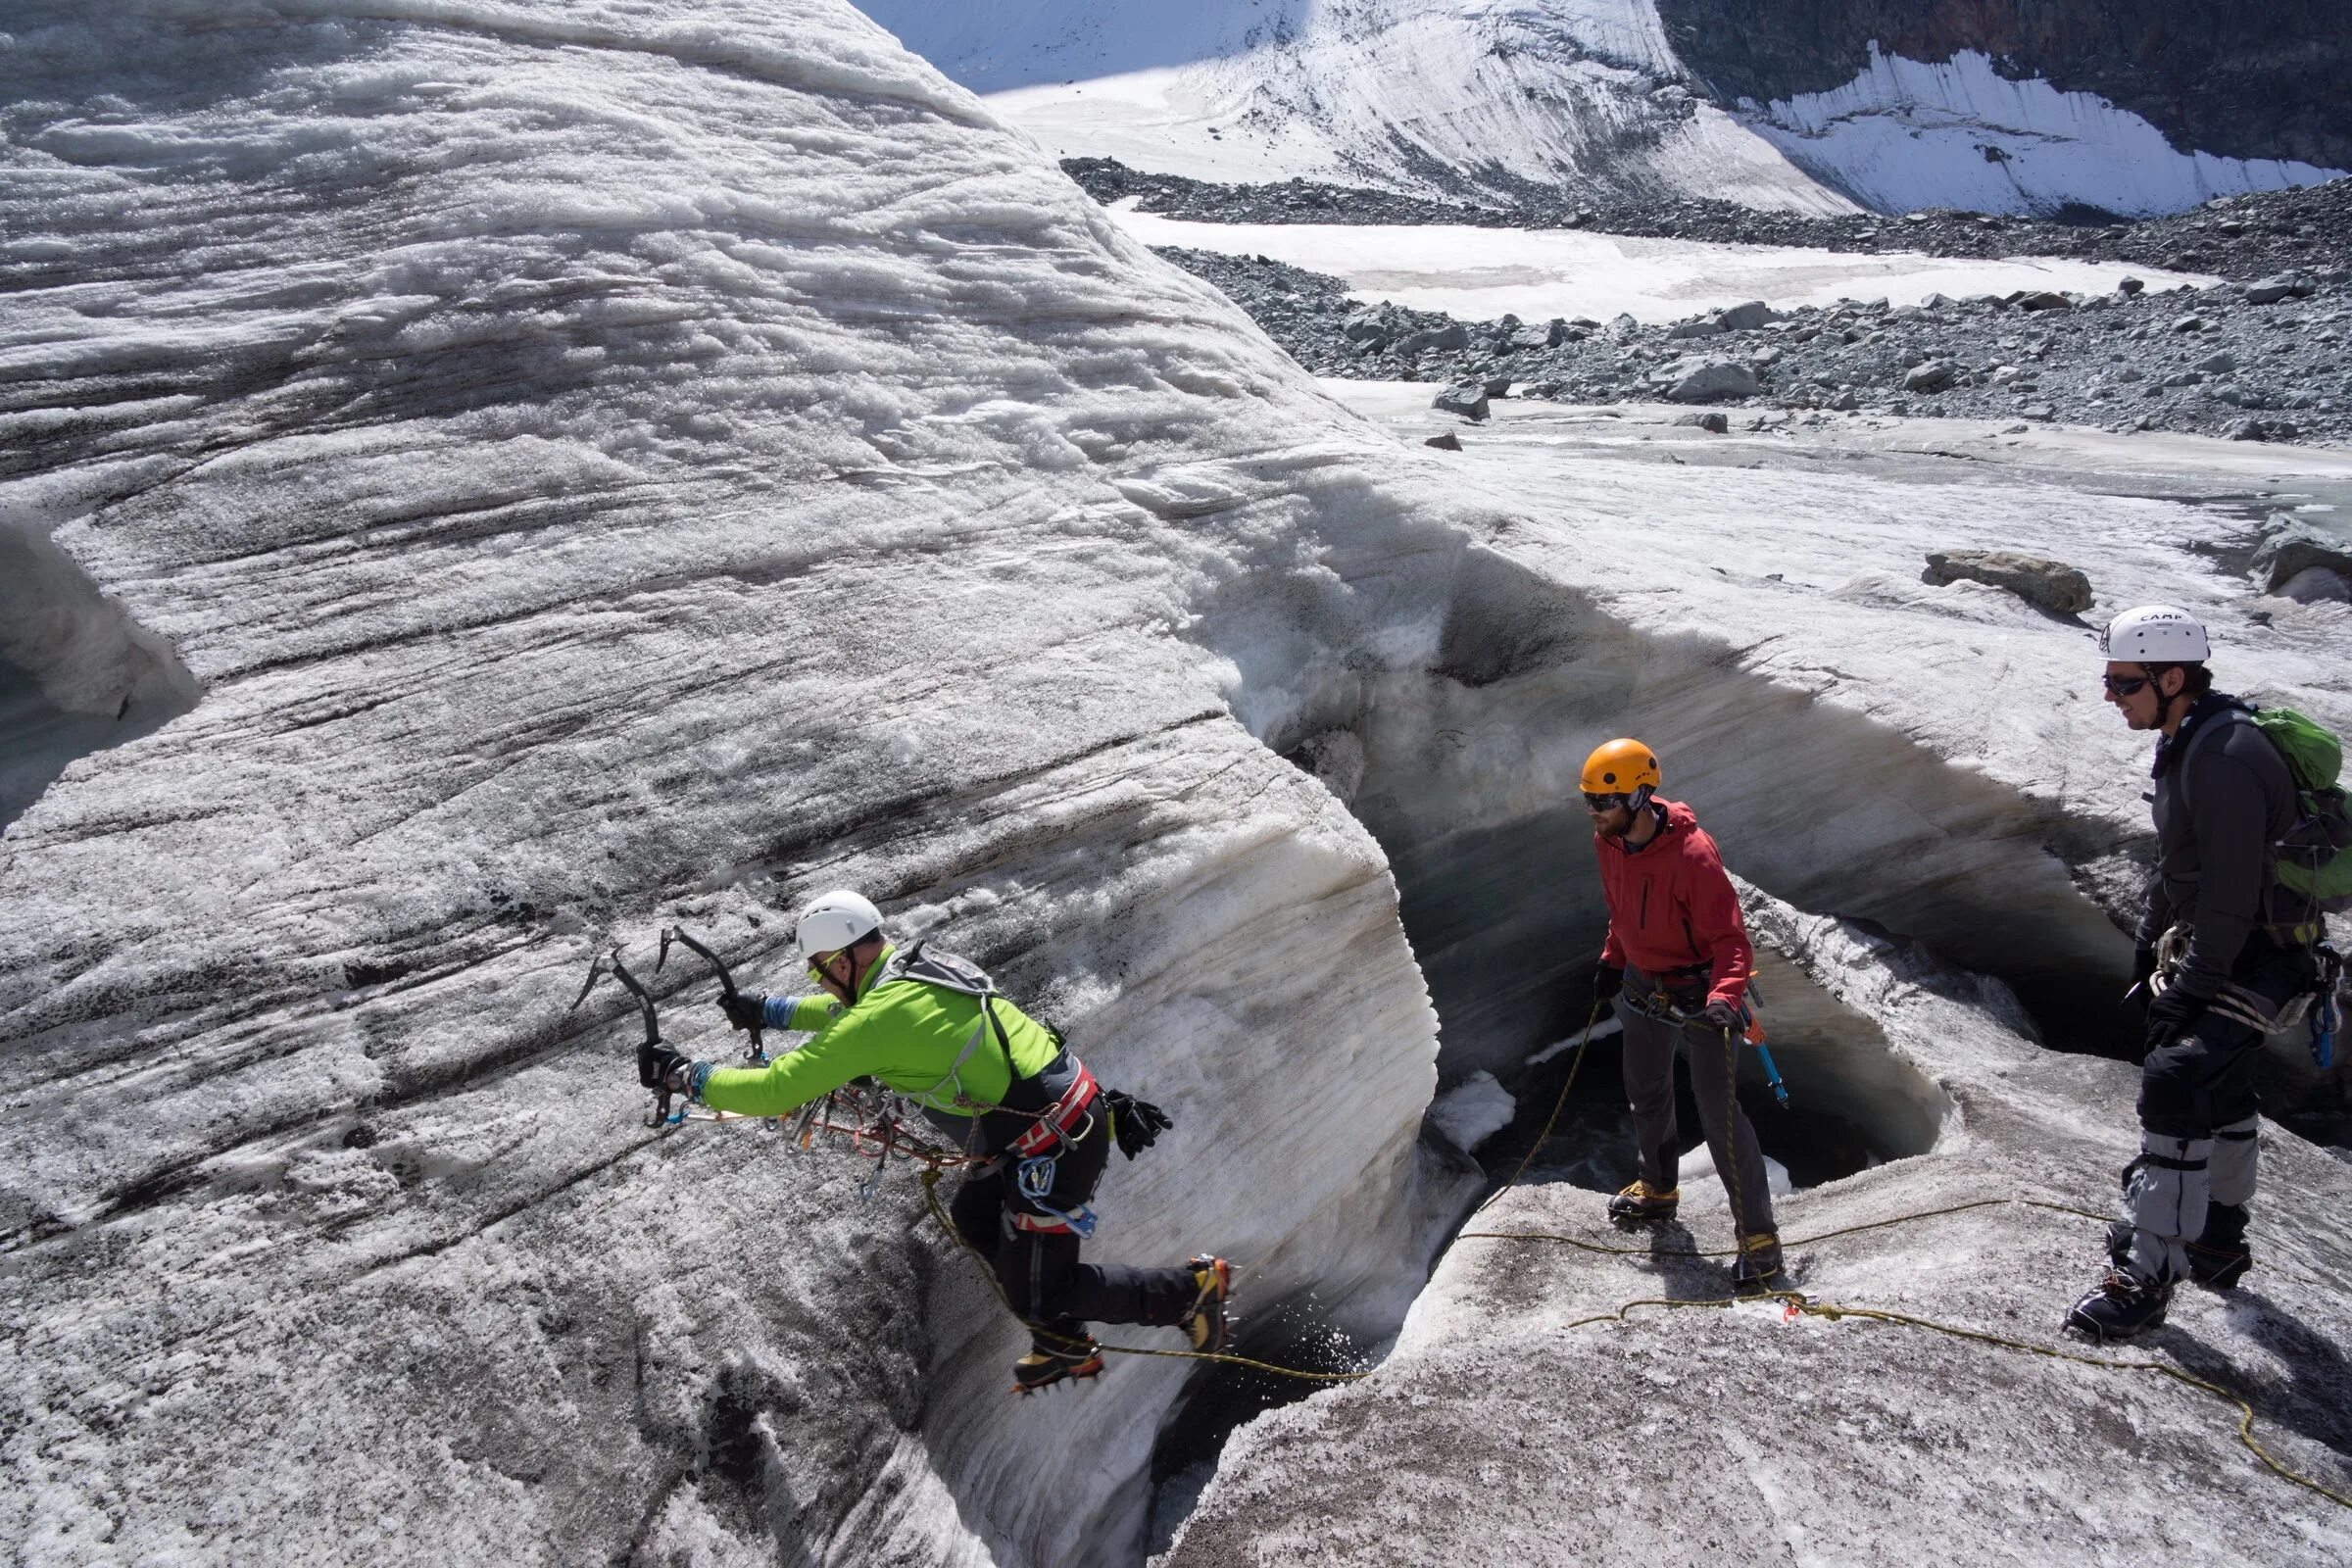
[1649,1089]
[2197,1118]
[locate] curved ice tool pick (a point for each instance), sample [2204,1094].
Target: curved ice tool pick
[647,1073]
[758,1055]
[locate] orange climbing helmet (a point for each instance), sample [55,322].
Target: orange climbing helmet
[1622,766]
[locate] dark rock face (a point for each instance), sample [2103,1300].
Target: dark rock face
[2215,76]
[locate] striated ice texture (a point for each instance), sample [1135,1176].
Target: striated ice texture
[519,478]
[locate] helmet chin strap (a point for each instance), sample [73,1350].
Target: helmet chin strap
[1640,798]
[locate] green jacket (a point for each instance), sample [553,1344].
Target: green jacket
[902,1033]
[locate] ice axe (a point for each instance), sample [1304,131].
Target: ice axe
[726,979]
[648,1074]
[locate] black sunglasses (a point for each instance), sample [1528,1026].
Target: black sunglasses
[1603,803]
[2123,685]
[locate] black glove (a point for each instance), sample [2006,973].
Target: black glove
[2171,1016]
[1137,1123]
[744,1009]
[1607,981]
[2144,968]
[658,1065]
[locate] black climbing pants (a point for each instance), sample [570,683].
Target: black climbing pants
[2197,1117]
[1040,1270]
[1649,1086]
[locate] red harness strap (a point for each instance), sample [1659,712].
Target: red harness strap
[1058,1123]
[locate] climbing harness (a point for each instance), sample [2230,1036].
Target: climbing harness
[1670,1001]
[2250,1008]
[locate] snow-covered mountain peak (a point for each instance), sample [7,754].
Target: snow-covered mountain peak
[1458,99]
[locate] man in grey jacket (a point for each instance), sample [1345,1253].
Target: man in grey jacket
[2211,957]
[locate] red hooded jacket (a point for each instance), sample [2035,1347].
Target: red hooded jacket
[1671,906]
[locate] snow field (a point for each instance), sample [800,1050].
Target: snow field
[1482,273]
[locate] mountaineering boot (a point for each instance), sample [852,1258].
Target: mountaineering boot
[1639,1203]
[2220,1258]
[1758,1267]
[1052,1361]
[2120,1306]
[1204,1324]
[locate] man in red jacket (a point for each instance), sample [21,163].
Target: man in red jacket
[1677,963]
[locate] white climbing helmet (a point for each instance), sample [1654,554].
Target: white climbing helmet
[2155,634]
[834,920]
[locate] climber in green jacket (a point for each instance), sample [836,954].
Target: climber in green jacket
[933,1028]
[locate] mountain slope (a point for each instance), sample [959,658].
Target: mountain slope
[1599,96]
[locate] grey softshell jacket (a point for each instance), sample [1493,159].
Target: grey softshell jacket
[2223,799]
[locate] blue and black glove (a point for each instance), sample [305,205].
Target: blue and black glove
[745,1011]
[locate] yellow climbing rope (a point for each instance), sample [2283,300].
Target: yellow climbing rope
[931,1199]
[932,1163]
[1831,1312]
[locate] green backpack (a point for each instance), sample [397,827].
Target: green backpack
[2314,860]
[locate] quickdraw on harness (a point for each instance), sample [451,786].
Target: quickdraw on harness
[2250,1010]
[1679,996]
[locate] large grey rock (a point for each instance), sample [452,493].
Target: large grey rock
[1368,326]
[1453,335]
[2294,550]
[2043,299]
[1697,327]
[2252,429]
[1713,422]
[2271,290]
[1465,398]
[1703,380]
[1747,318]
[2045,584]
[1932,377]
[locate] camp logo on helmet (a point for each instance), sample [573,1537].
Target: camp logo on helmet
[2155,634]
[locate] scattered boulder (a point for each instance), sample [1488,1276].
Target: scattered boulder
[2317,584]
[2294,550]
[2128,286]
[1367,328]
[2045,584]
[1712,421]
[2043,299]
[1448,442]
[1697,327]
[2271,290]
[1931,376]
[1453,335]
[1702,380]
[2221,364]
[2252,429]
[2038,410]
[1747,318]
[1465,398]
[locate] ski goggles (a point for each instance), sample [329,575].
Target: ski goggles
[2123,685]
[1597,803]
